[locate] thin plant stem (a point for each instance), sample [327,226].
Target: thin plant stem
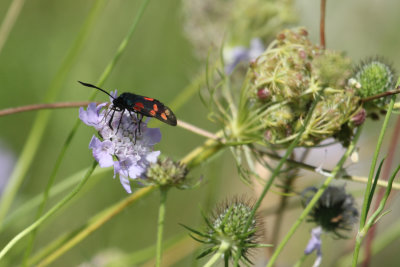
[71,135]
[362,232]
[218,255]
[42,118]
[283,201]
[194,158]
[364,212]
[124,43]
[10,111]
[277,169]
[48,214]
[384,239]
[322,24]
[315,198]
[196,130]
[160,224]
[393,144]
[358,179]
[9,20]
[387,93]
[301,261]
[57,189]
[95,223]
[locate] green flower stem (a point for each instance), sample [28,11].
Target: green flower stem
[301,261]
[365,208]
[95,223]
[123,44]
[9,20]
[380,242]
[200,154]
[71,135]
[314,200]
[160,225]
[53,210]
[56,190]
[363,228]
[358,179]
[361,234]
[59,247]
[39,125]
[276,171]
[222,249]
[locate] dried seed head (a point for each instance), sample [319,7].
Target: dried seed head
[334,211]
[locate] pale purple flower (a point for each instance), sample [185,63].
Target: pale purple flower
[7,162]
[314,244]
[239,54]
[127,149]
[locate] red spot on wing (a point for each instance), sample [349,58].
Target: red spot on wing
[163,116]
[148,98]
[138,106]
[152,113]
[155,107]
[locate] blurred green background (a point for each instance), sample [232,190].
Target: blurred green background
[158,62]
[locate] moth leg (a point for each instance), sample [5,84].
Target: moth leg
[120,119]
[110,121]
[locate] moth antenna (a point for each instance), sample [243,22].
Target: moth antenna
[98,88]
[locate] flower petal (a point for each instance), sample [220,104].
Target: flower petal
[125,183]
[152,156]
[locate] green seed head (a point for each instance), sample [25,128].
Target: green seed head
[374,77]
[166,172]
[227,228]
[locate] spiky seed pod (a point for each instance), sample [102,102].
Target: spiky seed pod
[335,210]
[226,227]
[374,77]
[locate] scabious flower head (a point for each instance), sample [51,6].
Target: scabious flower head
[226,227]
[334,211]
[125,147]
[373,76]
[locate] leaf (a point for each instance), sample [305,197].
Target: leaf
[371,194]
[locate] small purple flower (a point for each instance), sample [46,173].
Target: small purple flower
[130,155]
[7,162]
[314,244]
[240,53]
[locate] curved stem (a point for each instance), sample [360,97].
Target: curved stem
[194,158]
[385,174]
[95,223]
[322,24]
[10,111]
[222,249]
[314,200]
[39,125]
[362,230]
[9,20]
[160,225]
[57,207]
[276,171]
